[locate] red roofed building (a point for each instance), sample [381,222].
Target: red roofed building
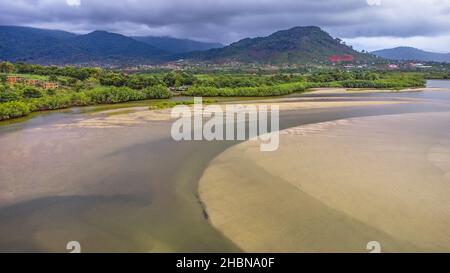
[13,79]
[341,58]
[50,85]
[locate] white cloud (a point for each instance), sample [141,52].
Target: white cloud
[374,2]
[73,2]
[229,20]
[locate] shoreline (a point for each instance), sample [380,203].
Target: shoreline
[94,109]
[368,91]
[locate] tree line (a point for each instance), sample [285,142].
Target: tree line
[90,86]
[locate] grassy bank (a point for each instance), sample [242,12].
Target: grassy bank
[92,86]
[388,81]
[19,101]
[170,104]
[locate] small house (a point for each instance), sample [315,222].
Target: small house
[50,85]
[13,79]
[33,82]
[341,58]
[393,66]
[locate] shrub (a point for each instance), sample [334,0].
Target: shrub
[113,79]
[170,104]
[141,81]
[114,95]
[2,78]
[178,78]
[13,109]
[385,84]
[32,92]
[80,99]
[8,95]
[59,101]
[262,91]
[157,92]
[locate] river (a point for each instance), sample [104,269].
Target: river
[130,187]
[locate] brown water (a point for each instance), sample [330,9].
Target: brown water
[129,188]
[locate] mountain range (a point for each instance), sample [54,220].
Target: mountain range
[59,47]
[412,54]
[298,45]
[175,45]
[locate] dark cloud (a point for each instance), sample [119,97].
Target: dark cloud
[230,20]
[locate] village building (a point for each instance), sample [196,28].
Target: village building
[341,58]
[50,85]
[419,65]
[31,82]
[393,66]
[13,79]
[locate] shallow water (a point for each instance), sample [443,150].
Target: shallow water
[335,186]
[130,188]
[438,83]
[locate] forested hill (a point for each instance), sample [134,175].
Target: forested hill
[297,45]
[175,45]
[98,47]
[57,47]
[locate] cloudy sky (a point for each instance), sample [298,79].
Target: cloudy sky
[365,24]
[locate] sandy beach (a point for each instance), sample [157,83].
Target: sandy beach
[335,186]
[139,116]
[318,91]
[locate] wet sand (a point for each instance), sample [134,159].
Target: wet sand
[335,186]
[319,91]
[140,116]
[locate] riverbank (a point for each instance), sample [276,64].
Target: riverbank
[17,110]
[139,116]
[328,91]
